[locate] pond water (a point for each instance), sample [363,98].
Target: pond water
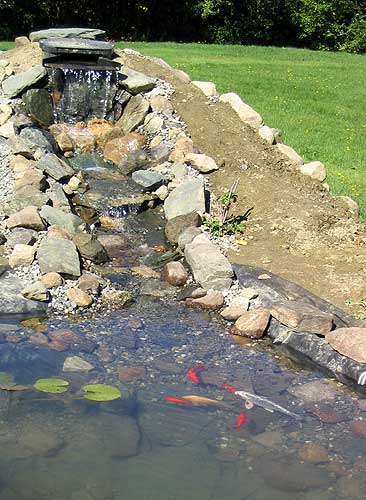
[142,447]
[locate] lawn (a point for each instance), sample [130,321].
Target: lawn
[317,99]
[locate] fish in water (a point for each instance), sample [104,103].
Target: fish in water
[265,403]
[240,420]
[192,373]
[202,401]
[177,401]
[229,388]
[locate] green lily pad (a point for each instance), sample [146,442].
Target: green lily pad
[7,383]
[52,385]
[101,392]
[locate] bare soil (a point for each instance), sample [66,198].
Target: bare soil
[296,230]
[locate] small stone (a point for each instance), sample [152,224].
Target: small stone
[115,298]
[148,179]
[314,453]
[89,282]
[315,169]
[326,413]
[38,338]
[21,235]
[145,271]
[232,313]
[208,88]
[179,170]
[51,280]
[80,298]
[358,428]
[28,218]
[76,364]
[350,203]
[267,133]
[153,123]
[160,154]
[212,301]
[175,226]
[290,154]
[252,324]
[248,293]
[65,143]
[183,147]
[264,277]
[161,104]
[162,193]
[36,291]
[175,274]
[22,255]
[203,163]
[131,373]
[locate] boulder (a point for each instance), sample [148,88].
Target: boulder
[186,198]
[90,33]
[290,154]
[175,226]
[252,324]
[20,147]
[55,167]
[38,140]
[203,163]
[64,142]
[134,81]
[7,130]
[22,255]
[36,200]
[210,268]
[58,232]
[153,123]
[350,342]
[118,149]
[160,154]
[233,312]
[135,160]
[174,273]
[244,111]
[90,247]
[28,218]
[79,297]
[149,180]
[21,164]
[134,114]
[31,177]
[161,104]
[59,198]
[267,133]
[15,84]
[38,105]
[301,317]
[59,256]
[36,291]
[12,303]
[21,41]
[54,216]
[187,236]
[315,169]
[208,88]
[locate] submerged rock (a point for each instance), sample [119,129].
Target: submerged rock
[76,364]
[174,273]
[12,303]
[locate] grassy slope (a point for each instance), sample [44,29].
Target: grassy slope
[317,99]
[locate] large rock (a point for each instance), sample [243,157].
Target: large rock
[117,150]
[177,225]
[55,167]
[12,303]
[149,180]
[302,317]
[210,268]
[350,342]
[59,256]
[90,33]
[15,84]
[245,112]
[90,248]
[208,88]
[186,198]
[315,169]
[134,113]
[28,218]
[32,177]
[252,324]
[22,255]
[134,81]
[21,235]
[38,105]
[56,217]
[38,140]
[202,163]
[19,203]
[36,291]
[291,154]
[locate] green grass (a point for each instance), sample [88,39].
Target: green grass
[317,99]
[6,45]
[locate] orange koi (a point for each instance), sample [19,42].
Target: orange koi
[192,373]
[240,420]
[202,401]
[229,388]
[177,401]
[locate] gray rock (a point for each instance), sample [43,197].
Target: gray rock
[148,179]
[134,114]
[55,167]
[157,288]
[302,317]
[76,364]
[21,235]
[90,247]
[20,147]
[187,236]
[38,105]
[28,218]
[175,226]
[16,204]
[59,198]
[36,291]
[90,33]
[160,153]
[15,84]
[12,303]
[136,160]
[210,268]
[134,81]
[186,198]
[55,217]
[59,256]
[38,140]
[179,170]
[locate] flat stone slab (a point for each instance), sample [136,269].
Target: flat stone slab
[15,84]
[77,46]
[186,198]
[134,81]
[90,33]
[12,304]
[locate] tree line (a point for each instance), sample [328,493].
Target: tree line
[316,24]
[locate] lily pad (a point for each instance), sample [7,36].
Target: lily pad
[52,385]
[101,392]
[7,383]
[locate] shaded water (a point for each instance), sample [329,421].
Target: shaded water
[82,94]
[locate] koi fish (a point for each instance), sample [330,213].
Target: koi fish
[265,403]
[229,388]
[177,401]
[192,375]
[240,420]
[202,401]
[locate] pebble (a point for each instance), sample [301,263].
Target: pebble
[76,364]
[212,301]
[131,373]
[314,453]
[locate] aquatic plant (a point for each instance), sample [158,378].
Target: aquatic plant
[101,392]
[52,385]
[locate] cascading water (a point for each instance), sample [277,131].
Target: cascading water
[82,93]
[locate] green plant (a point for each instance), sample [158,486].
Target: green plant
[220,222]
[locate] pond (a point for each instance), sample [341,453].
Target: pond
[144,446]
